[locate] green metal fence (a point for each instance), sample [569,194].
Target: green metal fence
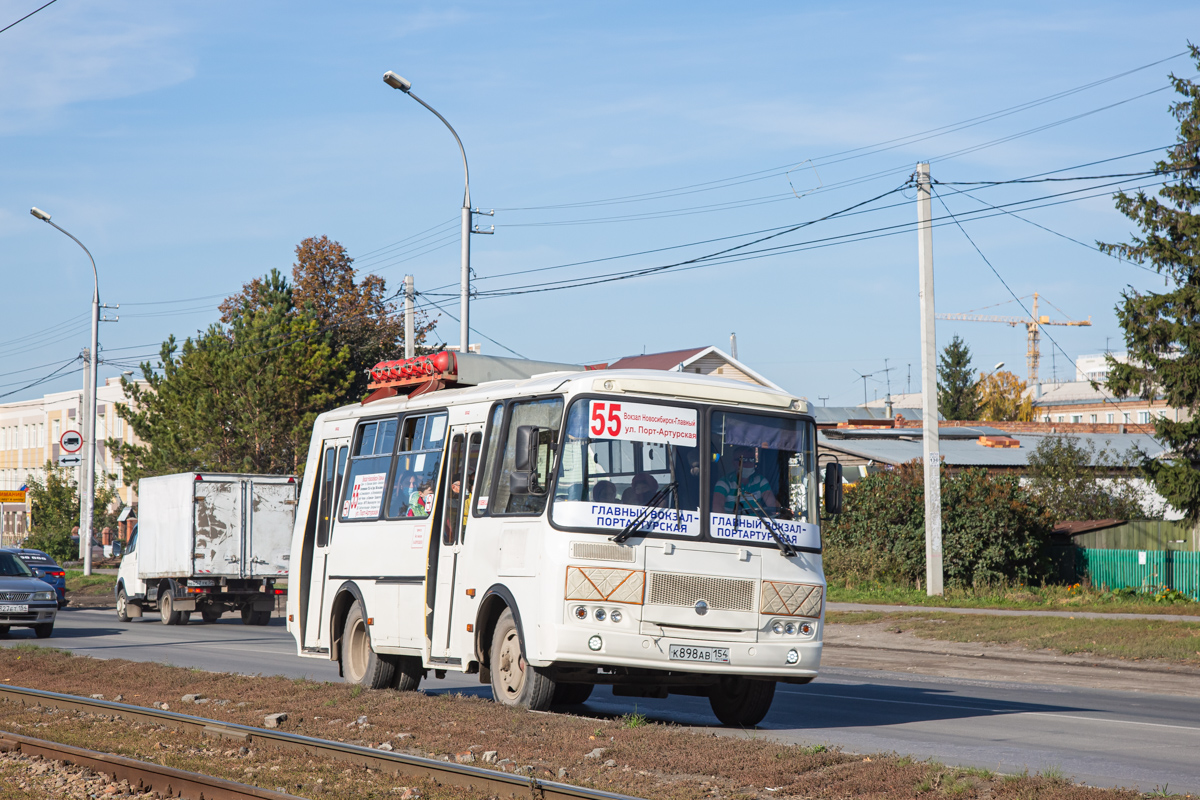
[1141,569]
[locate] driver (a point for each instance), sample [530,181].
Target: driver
[742,461]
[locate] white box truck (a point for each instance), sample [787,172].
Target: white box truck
[208,542]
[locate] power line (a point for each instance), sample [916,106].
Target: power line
[43,379]
[27,16]
[484,335]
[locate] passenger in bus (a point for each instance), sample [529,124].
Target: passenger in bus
[741,461]
[422,502]
[641,491]
[604,492]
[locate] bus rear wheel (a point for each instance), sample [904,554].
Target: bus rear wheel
[572,694]
[741,702]
[408,673]
[515,682]
[361,664]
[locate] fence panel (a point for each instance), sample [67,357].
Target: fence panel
[1141,569]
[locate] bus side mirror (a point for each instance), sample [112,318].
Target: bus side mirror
[524,478]
[833,488]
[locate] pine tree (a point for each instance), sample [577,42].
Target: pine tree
[1162,330]
[957,393]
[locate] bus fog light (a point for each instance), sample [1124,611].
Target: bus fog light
[777,627]
[595,643]
[615,615]
[806,629]
[792,656]
[600,614]
[580,612]
[790,628]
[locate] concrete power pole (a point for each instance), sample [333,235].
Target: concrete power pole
[410,347]
[84,431]
[933,471]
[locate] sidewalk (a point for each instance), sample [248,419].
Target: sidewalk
[1009,612]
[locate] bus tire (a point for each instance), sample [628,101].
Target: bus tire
[572,694]
[741,702]
[360,663]
[122,606]
[408,673]
[514,681]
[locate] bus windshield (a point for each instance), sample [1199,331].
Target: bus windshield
[763,479]
[625,463]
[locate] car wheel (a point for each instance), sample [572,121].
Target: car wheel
[514,681]
[44,631]
[3,631]
[361,664]
[122,606]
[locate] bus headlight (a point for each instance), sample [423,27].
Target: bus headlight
[793,657]
[595,643]
[600,615]
[790,628]
[580,612]
[806,629]
[615,615]
[777,627]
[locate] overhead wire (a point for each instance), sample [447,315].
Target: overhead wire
[475,330]
[27,16]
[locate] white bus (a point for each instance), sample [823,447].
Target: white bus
[553,530]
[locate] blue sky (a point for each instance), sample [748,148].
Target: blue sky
[191,146]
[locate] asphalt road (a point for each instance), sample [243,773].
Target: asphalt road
[1103,738]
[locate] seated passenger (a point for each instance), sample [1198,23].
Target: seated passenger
[422,502]
[641,490]
[739,466]
[604,492]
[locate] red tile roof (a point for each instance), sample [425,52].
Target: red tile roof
[666,361]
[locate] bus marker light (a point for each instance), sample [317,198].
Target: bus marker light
[806,629]
[580,612]
[370,620]
[793,657]
[595,643]
[470,628]
[470,592]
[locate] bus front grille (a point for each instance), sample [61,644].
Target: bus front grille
[721,594]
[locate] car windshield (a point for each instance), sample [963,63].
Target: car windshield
[12,567]
[629,467]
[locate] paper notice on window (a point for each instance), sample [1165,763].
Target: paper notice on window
[614,517]
[749,528]
[366,498]
[419,465]
[437,430]
[642,422]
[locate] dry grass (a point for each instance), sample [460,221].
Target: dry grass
[1111,638]
[652,760]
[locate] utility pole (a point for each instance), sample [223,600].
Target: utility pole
[410,346]
[85,432]
[933,467]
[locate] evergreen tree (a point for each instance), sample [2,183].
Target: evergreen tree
[958,396]
[1162,330]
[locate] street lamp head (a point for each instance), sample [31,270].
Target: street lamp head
[42,215]
[396,82]
[997,367]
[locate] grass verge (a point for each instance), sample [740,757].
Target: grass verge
[1111,638]
[80,584]
[648,759]
[1041,598]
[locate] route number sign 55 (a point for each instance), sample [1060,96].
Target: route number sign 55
[610,424]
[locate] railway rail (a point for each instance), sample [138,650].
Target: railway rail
[484,782]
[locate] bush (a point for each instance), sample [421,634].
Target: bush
[993,530]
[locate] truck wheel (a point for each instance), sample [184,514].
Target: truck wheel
[43,631]
[514,681]
[408,673]
[122,606]
[740,701]
[252,617]
[361,664]
[166,610]
[571,694]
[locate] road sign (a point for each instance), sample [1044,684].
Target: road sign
[70,461]
[12,497]
[71,442]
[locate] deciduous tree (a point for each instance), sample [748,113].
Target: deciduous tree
[1001,398]
[957,396]
[55,499]
[1077,481]
[1162,329]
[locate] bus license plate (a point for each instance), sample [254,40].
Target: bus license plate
[14,609]
[680,652]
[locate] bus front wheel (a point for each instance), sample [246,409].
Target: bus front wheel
[741,702]
[514,681]
[361,664]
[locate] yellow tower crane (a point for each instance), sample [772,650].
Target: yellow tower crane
[1032,325]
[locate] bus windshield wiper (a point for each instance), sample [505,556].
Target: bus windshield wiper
[632,527]
[772,528]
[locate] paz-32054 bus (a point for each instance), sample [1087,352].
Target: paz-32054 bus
[553,530]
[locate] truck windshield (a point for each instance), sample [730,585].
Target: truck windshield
[763,474]
[624,462]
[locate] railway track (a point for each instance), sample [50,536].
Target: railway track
[483,782]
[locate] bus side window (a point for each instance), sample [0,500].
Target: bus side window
[454,492]
[546,414]
[325,498]
[369,470]
[415,472]
[490,456]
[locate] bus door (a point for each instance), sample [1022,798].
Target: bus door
[456,486]
[313,569]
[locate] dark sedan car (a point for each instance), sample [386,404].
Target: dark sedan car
[25,601]
[45,568]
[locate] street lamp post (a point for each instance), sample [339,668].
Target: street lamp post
[397,82]
[87,501]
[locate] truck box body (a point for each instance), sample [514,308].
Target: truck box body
[215,525]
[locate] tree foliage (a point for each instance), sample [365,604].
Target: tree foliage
[957,394]
[55,499]
[1078,482]
[1162,330]
[241,396]
[1001,398]
[993,530]
[360,316]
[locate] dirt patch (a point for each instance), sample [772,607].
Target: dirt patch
[624,755]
